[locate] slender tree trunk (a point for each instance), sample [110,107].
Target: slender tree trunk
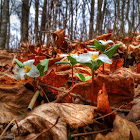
[1,7]
[122,20]
[127,15]
[91,30]
[99,15]
[65,23]
[43,22]
[71,9]
[8,35]
[75,28]
[25,21]
[36,20]
[115,22]
[5,18]
[133,17]
[102,17]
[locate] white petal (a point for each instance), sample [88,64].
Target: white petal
[34,72]
[110,41]
[75,55]
[29,63]
[63,55]
[21,74]
[91,54]
[83,58]
[104,58]
[106,42]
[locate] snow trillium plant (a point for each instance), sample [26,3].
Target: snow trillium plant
[72,61]
[27,68]
[93,57]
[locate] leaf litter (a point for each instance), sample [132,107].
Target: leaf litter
[117,88]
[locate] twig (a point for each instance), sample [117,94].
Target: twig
[109,113]
[45,130]
[65,91]
[8,127]
[45,94]
[89,133]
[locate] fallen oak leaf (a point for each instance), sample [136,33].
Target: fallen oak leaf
[122,129]
[72,114]
[55,80]
[103,106]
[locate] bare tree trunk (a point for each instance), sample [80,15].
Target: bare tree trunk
[91,31]
[43,22]
[36,20]
[5,18]
[127,15]
[71,9]
[133,17]
[25,21]
[115,22]
[99,15]
[102,17]
[122,20]
[1,7]
[65,22]
[75,28]
[8,35]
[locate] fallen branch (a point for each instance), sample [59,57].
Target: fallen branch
[66,93]
[45,130]
[8,127]
[89,133]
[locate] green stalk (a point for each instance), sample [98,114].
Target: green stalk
[72,76]
[92,92]
[33,100]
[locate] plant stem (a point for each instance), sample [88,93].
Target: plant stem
[103,68]
[33,100]
[72,76]
[92,92]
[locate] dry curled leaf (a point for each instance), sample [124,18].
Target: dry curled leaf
[122,130]
[44,116]
[103,106]
[55,80]
[14,97]
[119,85]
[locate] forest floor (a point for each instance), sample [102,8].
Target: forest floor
[66,110]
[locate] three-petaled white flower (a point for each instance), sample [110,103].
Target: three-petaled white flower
[93,56]
[71,54]
[29,69]
[106,42]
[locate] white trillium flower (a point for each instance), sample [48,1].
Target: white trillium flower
[106,42]
[93,56]
[29,69]
[71,54]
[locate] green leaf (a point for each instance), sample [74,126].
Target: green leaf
[69,137]
[62,62]
[110,52]
[45,63]
[81,77]
[88,64]
[41,69]
[22,113]
[72,60]
[20,64]
[89,77]
[99,46]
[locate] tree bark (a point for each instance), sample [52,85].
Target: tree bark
[5,19]
[25,21]
[36,20]
[43,22]
[91,31]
